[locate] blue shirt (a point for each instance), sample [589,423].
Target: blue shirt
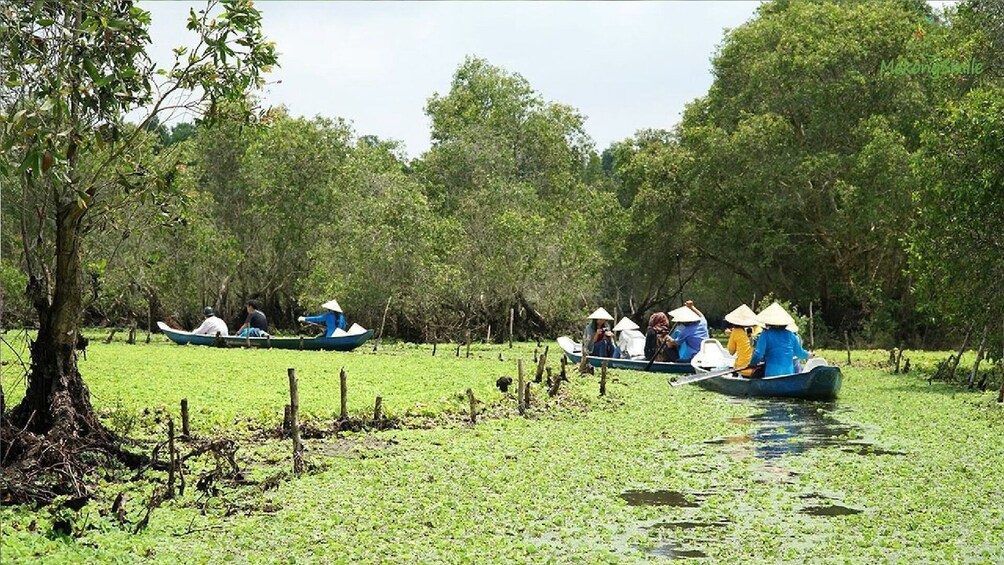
[333,321]
[690,336]
[778,347]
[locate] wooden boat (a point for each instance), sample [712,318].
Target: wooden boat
[818,380]
[347,342]
[574,353]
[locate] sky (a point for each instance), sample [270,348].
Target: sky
[624,65]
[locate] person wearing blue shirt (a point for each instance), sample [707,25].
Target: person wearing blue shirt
[777,346]
[692,330]
[333,319]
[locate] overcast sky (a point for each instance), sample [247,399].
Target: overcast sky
[624,65]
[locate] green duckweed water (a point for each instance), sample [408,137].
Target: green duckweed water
[918,467]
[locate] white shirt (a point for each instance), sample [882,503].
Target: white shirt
[211,326]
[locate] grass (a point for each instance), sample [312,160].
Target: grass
[544,488]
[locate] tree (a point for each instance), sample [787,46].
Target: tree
[955,244]
[73,73]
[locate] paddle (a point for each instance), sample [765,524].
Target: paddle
[662,343]
[705,376]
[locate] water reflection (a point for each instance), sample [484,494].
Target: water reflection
[790,427]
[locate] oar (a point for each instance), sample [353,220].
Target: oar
[662,344]
[704,376]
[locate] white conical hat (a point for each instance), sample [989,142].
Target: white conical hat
[793,328]
[775,315]
[683,315]
[601,314]
[625,324]
[742,316]
[332,305]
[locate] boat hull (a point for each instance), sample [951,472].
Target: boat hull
[821,383]
[340,343]
[575,356]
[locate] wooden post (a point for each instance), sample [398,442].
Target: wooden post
[170,455]
[603,379]
[512,315]
[488,338]
[458,348]
[847,343]
[585,358]
[812,335]
[433,348]
[294,408]
[376,410]
[268,341]
[564,364]
[184,418]
[468,343]
[536,354]
[132,335]
[301,343]
[343,394]
[520,384]
[539,377]
[899,357]
[111,334]
[474,406]
[148,338]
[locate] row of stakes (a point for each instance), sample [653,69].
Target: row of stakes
[291,412]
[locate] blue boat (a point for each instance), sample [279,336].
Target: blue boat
[818,383]
[346,342]
[574,353]
[818,380]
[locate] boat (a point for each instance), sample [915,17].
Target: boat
[346,341]
[574,353]
[818,380]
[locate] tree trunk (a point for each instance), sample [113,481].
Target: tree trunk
[57,401]
[979,356]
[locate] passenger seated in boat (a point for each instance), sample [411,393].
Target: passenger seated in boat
[691,330]
[777,346]
[629,341]
[657,338]
[740,325]
[212,324]
[596,332]
[333,319]
[256,324]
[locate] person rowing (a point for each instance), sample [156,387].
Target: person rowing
[777,346]
[333,319]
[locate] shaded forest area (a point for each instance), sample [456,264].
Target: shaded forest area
[834,161]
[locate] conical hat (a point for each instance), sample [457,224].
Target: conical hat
[332,305]
[775,315]
[601,314]
[793,328]
[683,315]
[625,324]
[742,316]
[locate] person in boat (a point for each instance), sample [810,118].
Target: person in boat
[333,319]
[777,346]
[657,337]
[256,324]
[597,338]
[691,330]
[212,325]
[740,325]
[630,343]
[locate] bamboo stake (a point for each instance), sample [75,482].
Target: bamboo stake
[184,418]
[376,410]
[521,383]
[294,408]
[343,394]
[170,455]
[474,406]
